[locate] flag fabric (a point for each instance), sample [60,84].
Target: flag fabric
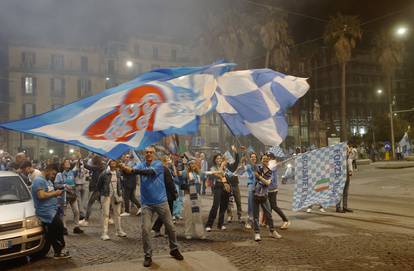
[405,145]
[277,151]
[255,102]
[134,114]
[320,177]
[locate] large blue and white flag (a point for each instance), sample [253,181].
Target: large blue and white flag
[405,145]
[320,176]
[255,102]
[132,115]
[277,151]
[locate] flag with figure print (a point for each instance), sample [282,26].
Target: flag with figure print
[277,151]
[320,177]
[134,114]
[405,145]
[255,102]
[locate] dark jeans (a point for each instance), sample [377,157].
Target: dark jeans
[54,234]
[95,196]
[273,205]
[354,164]
[158,223]
[129,195]
[267,212]
[237,199]
[344,196]
[203,185]
[220,200]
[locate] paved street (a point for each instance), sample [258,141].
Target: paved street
[379,235]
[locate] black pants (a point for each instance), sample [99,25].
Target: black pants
[54,234]
[345,195]
[95,196]
[220,200]
[158,223]
[237,199]
[129,195]
[273,205]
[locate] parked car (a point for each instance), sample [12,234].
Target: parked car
[21,232]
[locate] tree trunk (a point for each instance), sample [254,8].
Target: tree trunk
[267,59]
[344,129]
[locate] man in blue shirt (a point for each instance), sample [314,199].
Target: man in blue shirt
[45,202]
[154,200]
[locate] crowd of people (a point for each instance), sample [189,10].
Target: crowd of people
[170,185]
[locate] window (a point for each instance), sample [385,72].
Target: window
[136,50]
[28,110]
[303,117]
[57,62]
[111,67]
[28,59]
[84,88]
[28,85]
[84,64]
[174,54]
[155,52]
[57,87]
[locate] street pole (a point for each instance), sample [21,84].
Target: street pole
[392,132]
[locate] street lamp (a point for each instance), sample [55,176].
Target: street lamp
[401,31]
[129,64]
[107,78]
[71,150]
[379,91]
[51,151]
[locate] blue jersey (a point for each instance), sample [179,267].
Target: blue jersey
[45,208]
[153,190]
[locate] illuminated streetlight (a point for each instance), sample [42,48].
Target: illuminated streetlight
[401,31]
[129,64]
[71,150]
[107,78]
[379,91]
[51,151]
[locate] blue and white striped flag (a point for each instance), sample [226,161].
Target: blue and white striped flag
[255,102]
[320,177]
[132,115]
[277,151]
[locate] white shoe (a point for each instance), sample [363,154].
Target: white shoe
[285,225]
[322,210]
[105,237]
[208,229]
[111,221]
[257,237]
[248,226]
[83,223]
[229,219]
[223,228]
[121,234]
[276,235]
[124,214]
[309,210]
[188,237]
[139,211]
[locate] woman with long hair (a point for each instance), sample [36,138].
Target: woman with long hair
[221,193]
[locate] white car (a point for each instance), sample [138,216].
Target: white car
[21,232]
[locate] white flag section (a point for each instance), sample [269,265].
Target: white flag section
[405,145]
[320,177]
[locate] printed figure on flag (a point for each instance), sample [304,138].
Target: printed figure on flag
[405,145]
[277,151]
[320,177]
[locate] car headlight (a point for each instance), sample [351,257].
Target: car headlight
[32,222]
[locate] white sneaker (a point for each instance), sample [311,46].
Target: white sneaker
[111,221]
[257,237]
[285,225]
[139,211]
[124,214]
[309,210]
[322,210]
[208,229]
[188,237]
[248,226]
[223,228]
[83,223]
[276,235]
[229,219]
[105,237]
[121,234]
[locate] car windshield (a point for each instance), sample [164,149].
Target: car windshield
[12,189]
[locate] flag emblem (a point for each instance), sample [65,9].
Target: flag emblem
[136,113]
[322,185]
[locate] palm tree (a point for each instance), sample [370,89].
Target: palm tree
[276,40]
[343,32]
[389,52]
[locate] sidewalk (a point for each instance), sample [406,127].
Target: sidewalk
[194,261]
